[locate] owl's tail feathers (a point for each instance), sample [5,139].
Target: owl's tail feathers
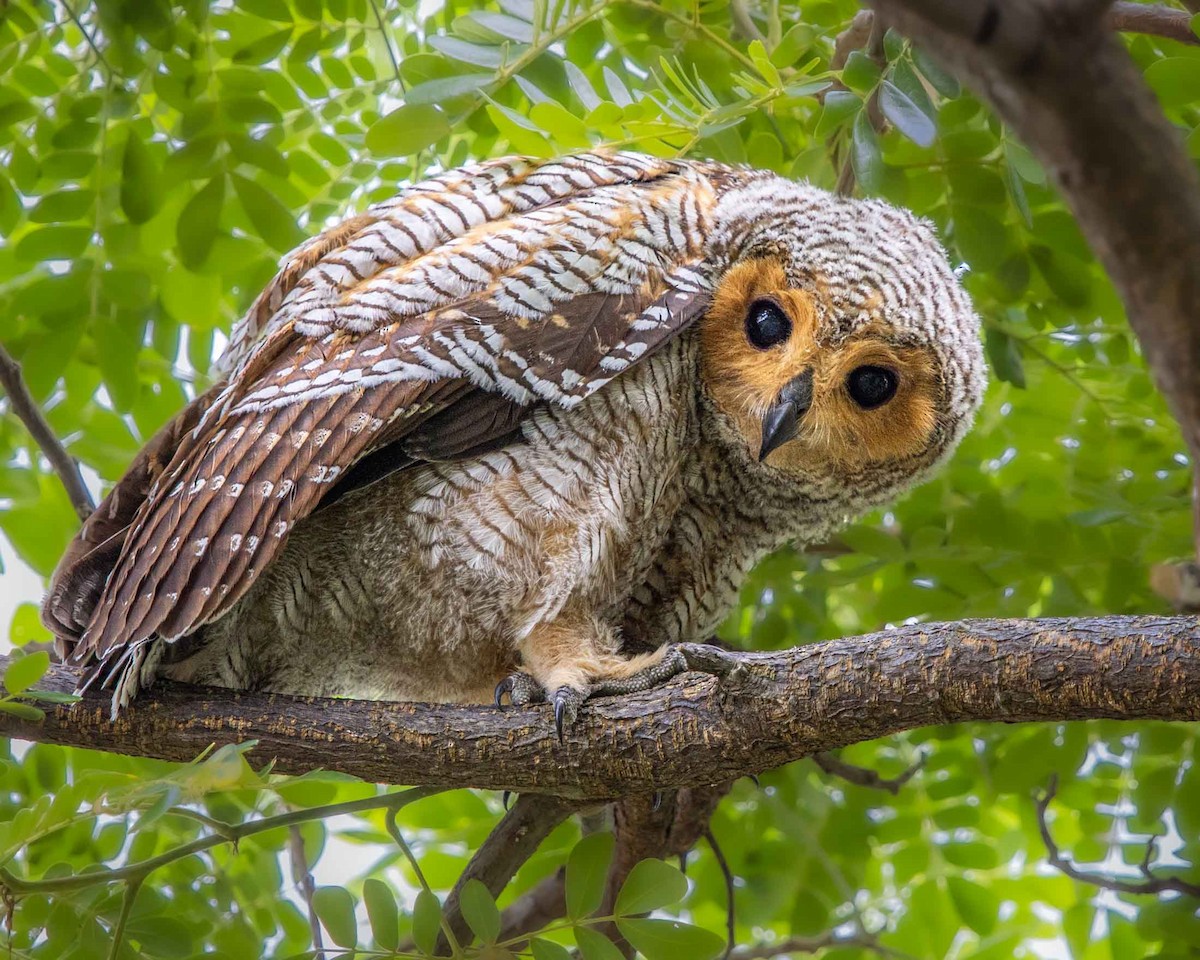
[89,560]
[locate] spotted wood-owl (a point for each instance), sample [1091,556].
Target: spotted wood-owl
[526,416]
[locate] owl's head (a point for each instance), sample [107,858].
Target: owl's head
[839,346]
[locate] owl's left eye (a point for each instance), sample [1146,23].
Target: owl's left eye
[767,325]
[872,387]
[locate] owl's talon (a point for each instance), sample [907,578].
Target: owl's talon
[521,689]
[567,701]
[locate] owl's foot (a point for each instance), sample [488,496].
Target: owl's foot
[523,688]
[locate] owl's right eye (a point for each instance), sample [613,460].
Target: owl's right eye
[767,325]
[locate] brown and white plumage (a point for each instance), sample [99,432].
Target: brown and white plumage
[486,406]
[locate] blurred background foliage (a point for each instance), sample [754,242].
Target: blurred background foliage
[155,162]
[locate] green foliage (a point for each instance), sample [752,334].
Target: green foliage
[155,161]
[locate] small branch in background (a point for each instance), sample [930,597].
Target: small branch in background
[535,909]
[514,840]
[862,776]
[387,42]
[1155,20]
[25,408]
[303,879]
[876,29]
[1151,885]
[730,908]
[854,37]
[743,24]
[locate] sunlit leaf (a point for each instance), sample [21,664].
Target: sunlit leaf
[587,868]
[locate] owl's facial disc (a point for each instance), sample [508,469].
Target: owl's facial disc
[811,392]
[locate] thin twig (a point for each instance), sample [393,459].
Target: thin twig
[862,776]
[1151,885]
[90,41]
[730,911]
[303,879]
[25,408]
[118,930]
[393,828]
[387,42]
[743,23]
[234,833]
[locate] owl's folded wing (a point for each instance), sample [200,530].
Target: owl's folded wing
[367,364]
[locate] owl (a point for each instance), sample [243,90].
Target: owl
[525,428]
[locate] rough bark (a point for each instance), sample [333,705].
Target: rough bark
[695,731]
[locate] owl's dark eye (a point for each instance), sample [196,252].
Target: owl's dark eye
[872,387]
[767,325]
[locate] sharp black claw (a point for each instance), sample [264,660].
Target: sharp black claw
[505,799]
[503,687]
[656,803]
[560,712]
[754,779]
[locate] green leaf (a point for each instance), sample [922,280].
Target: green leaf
[22,711]
[1005,355]
[906,115]
[263,49]
[978,906]
[979,236]
[271,219]
[861,73]
[475,54]
[941,81]
[587,869]
[63,205]
[651,885]
[53,243]
[1066,275]
[593,945]
[26,626]
[382,913]
[548,950]
[426,922]
[335,909]
[24,672]
[480,911]
[141,192]
[197,226]
[407,130]
[439,91]
[840,106]
[503,25]
[865,157]
[671,939]
[1176,80]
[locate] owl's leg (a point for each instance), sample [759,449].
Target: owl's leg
[567,662]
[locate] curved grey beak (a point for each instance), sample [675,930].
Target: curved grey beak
[782,420]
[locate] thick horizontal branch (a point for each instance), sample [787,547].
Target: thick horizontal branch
[694,731]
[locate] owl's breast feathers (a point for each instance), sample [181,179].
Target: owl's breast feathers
[426,328]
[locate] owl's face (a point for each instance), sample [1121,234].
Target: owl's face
[838,344]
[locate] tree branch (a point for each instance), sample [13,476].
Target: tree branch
[1151,885]
[862,776]
[694,731]
[25,408]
